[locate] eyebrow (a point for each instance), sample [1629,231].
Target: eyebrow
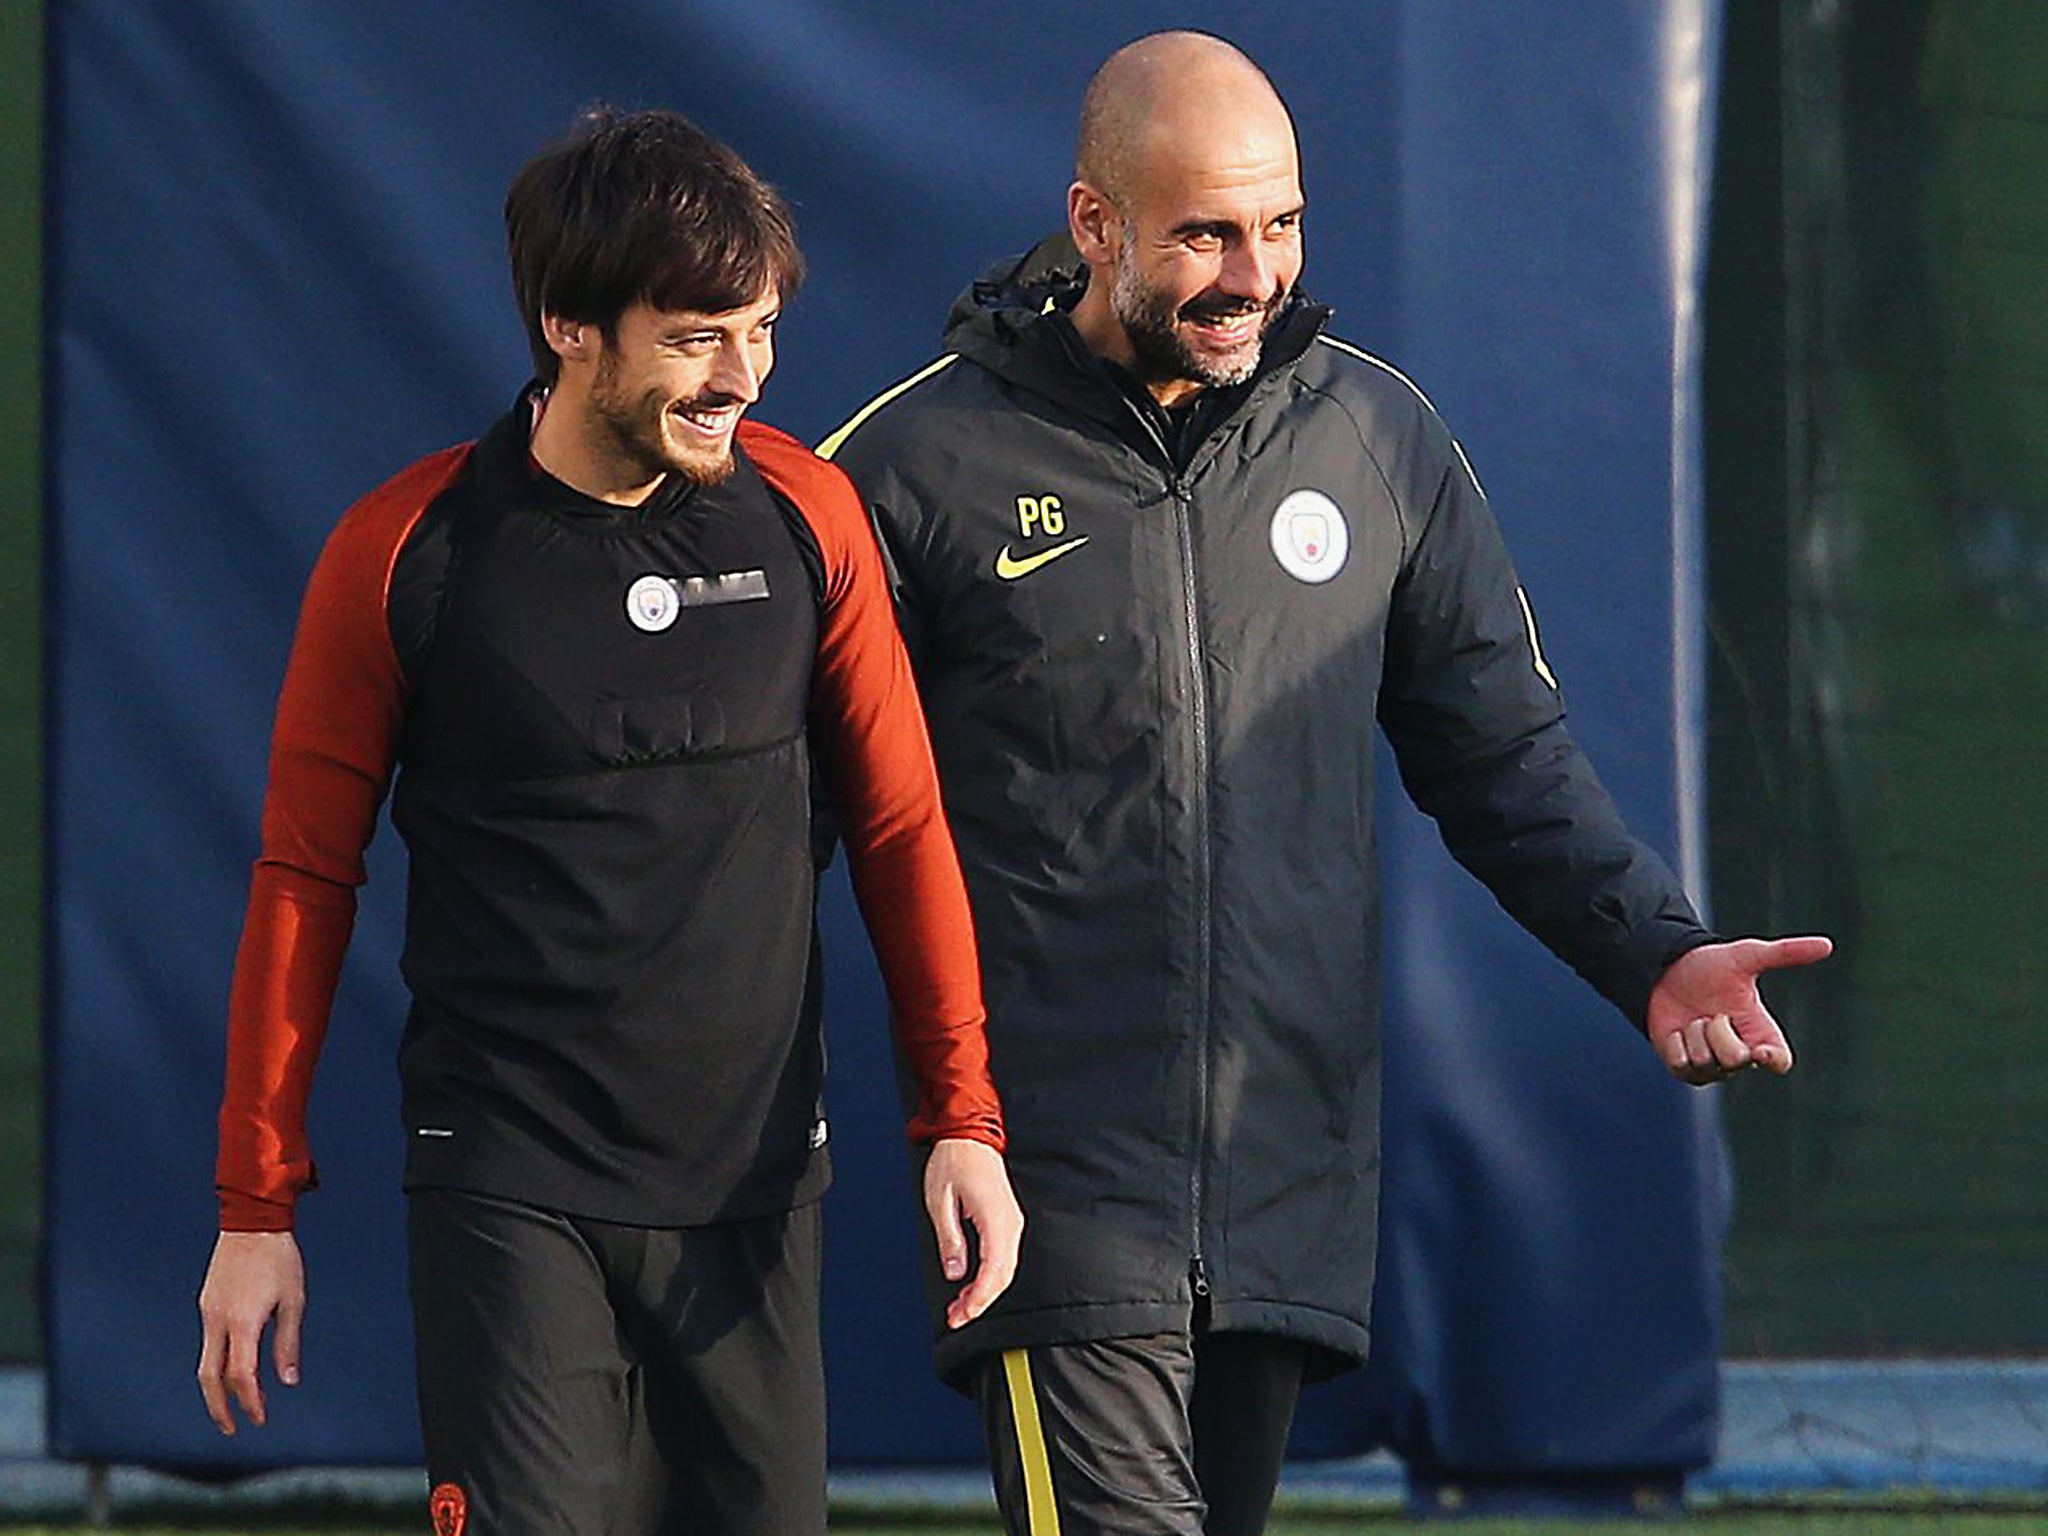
[701,324]
[1228,226]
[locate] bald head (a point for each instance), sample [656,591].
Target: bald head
[1172,93]
[1186,206]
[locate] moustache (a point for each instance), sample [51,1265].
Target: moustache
[1215,306]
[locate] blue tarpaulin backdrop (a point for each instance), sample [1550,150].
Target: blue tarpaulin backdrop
[276,276]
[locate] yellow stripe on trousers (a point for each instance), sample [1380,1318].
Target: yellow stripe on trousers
[1041,1513]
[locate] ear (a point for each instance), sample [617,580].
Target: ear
[1095,224]
[573,341]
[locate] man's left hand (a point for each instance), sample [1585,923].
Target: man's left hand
[966,1184]
[1708,1021]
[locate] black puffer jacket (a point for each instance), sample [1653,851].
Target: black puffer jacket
[1152,678]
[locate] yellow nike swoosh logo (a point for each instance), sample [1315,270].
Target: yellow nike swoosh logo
[1009,567]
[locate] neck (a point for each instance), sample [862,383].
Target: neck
[1104,335]
[571,443]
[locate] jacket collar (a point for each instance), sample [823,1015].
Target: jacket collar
[1012,320]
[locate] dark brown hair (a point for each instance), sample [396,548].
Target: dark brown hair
[641,207]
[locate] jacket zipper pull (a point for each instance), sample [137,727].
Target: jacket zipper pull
[1200,1275]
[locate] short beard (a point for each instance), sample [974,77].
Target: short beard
[634,427]
[1151,322]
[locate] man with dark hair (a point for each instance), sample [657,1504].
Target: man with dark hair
[1167,552]
[600,648]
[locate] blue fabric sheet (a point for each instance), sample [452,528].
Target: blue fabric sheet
[275,276]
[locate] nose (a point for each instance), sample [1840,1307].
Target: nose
[1248,272]
[739,372]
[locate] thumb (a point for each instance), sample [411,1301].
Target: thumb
[284,1343]
[944,1210]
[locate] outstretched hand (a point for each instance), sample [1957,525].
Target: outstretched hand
[966,1184]
[1707,1020]
[254,1277]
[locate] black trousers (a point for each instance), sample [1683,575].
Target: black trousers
[1171,1434]
[583,1378]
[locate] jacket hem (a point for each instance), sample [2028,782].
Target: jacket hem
[957,1352]
[1339,1343]
[628,1205]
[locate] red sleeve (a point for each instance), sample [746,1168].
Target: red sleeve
[331,754]
[906,874]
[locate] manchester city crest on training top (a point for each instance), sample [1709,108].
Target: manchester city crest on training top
[651,603]
[1310,536]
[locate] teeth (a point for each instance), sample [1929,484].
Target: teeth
[709,420]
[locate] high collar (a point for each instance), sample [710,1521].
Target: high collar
[1015,321]
[506,455]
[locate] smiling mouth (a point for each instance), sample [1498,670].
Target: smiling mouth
[1227,321]
[1231,330]
[709,421]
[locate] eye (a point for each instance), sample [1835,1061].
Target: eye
[1287,224]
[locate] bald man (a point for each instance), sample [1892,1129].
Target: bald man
[1166,553]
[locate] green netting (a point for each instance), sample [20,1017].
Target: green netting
[21,66]
[1892,1198]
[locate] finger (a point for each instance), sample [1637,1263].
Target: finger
[1805,949]
[992,1276]
[944,1209]
[212,1356]
[284,1343]
[243,1347]
[1688,1055]
[1698,1053]
[1726,1049]
[976,1297]
[990,1280]
[1774,1052]
[1777,1060]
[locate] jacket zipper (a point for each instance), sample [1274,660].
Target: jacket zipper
[1198,696]
[1198,709]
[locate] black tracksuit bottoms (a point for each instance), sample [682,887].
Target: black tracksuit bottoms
[586,1378]
[1171,1434]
